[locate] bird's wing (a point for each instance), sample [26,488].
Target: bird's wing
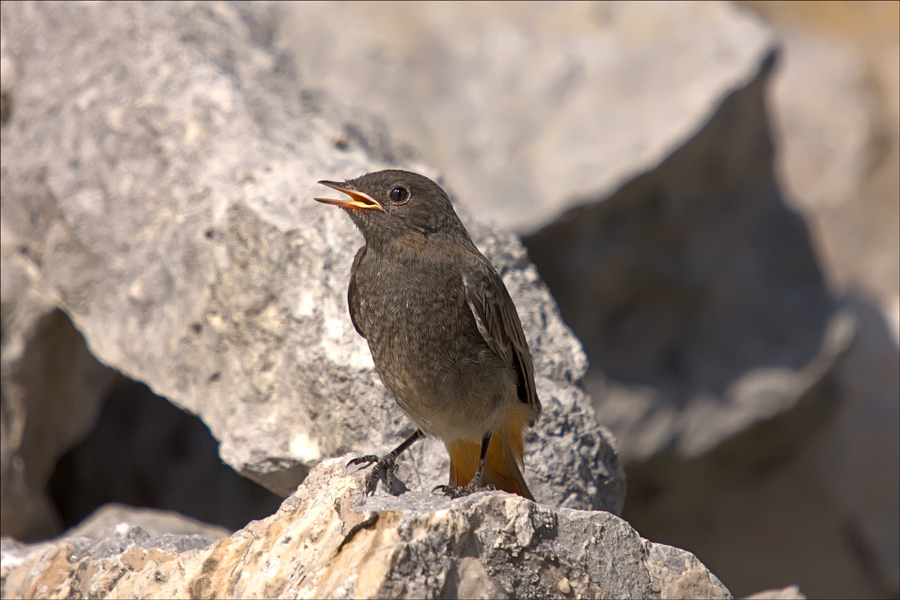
[499,325]
[353,295]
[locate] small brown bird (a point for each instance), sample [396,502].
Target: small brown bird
[443,331]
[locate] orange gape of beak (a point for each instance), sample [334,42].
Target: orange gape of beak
[357,200]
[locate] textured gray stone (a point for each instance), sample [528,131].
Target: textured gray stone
[715,344]
[702,305]
[330,540]
[155,523]
[158,173]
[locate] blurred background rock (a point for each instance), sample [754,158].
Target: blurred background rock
[711,193]
[835,108]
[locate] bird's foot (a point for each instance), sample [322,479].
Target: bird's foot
[366,460]
[452,491]
[382,471]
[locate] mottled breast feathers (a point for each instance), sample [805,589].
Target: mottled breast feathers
[494,314]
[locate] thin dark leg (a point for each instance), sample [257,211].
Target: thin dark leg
[474,485]
[392,455]
[485,442]
[384,466]
[409,442]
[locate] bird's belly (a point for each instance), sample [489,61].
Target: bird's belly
[441,372]
[451,404]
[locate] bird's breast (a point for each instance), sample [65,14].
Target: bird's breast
[426,345]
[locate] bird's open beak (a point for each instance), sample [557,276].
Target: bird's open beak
[357,200]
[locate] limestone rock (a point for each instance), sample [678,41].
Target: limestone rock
[145,451]
[532,109]
[831,493]
[329,540]
[158,169]
[52,391]
[702,302]
[836,108]
[155,523]
[715,342]
[791,592]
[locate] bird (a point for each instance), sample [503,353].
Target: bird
[443,331]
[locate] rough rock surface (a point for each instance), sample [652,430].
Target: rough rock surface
[154,522]
[158,174]
[330,541]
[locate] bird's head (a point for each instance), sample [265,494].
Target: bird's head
[390,206]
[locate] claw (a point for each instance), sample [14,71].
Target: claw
[365,461]
[454,492]
[384,467]
[383,470]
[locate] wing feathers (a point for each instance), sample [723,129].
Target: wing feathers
[499,325]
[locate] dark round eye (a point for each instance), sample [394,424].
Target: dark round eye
[399,195]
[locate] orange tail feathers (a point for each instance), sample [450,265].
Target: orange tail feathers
[502,463]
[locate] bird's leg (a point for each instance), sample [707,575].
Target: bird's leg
[384,465]
[474,485]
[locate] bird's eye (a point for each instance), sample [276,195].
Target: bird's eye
[399,195]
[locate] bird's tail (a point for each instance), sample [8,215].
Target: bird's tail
[502,465]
